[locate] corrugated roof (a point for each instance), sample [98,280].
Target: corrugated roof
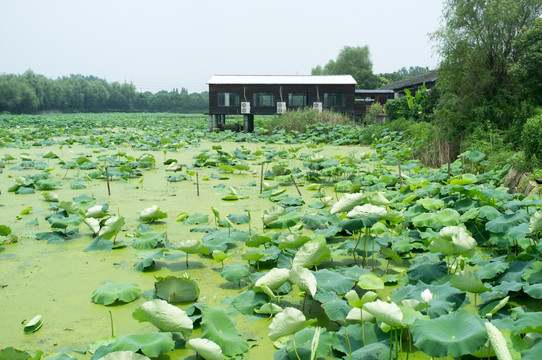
[282,80]
[413,81]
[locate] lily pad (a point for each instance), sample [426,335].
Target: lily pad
[218,327]
[33,325]
[235,272]
[207,349]
[457,334]
[111,292]
[151,344]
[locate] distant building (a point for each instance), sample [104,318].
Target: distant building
[270,94]
[412,84]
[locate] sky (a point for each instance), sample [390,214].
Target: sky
[166,44]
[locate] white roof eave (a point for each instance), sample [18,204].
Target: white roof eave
[282,80]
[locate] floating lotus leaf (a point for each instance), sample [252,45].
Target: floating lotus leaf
[151,344]
[304,279]
[248,300]
[33,325]
[165,317]
[111,227]
[5,230]
[467,281]
[310,254]
[207,349]
[346,203]
[370,281]
[99,244]
[64,222]
[388,313]
[274,278]
[110,292]
[239,218]
[50,197]
[235,272]
[124,355]
[196,219]
[148,260]
[217,326]
[288,322]
[268,309]
[151,214]
[47,184]
[431,203]
[10,353]
[176,290]
[456,334]
[148,240]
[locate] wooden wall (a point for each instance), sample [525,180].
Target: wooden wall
[249,90]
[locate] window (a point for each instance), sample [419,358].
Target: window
[228,99]
[298,99]
[332,100]
[263,99]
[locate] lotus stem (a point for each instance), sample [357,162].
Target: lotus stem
[391,343]
[348,342]
[197,184]
[107,179]
[366,246]
[111,320]
[295,350]
[304,299]
[362,329]
[297,188]
[355,247]
[186,259]
[261,179]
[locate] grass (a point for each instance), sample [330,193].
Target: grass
[299,120]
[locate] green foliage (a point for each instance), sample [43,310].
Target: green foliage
[531,138]
[300,120]
[354,61]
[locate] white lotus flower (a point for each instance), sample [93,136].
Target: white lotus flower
[427,295]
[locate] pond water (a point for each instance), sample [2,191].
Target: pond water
[56,281]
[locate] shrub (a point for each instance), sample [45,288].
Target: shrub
[532,140]
[298,120]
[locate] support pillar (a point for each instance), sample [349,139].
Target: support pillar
[215,120]
[250,123]
[210,123]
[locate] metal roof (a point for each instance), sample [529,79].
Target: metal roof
[413,81]
[378,91]
[282,80]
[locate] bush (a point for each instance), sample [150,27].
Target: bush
[299,120]
[531,138]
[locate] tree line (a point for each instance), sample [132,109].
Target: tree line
[32,93]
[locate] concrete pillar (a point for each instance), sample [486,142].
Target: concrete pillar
[210,123]
[215,119]
[251,123]
[245,122]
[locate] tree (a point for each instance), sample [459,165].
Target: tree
[528,67]
[354,61]
[476,44]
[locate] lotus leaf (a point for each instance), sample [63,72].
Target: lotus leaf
[286,221]
[370,281]
[288,322]
[5,230]
[533,353]
[196,219]
[467,281]
[110,292]
[310,343]
[124,355]
[448,217]
[148,261]
[253,254]
[465,179]
[428,273]
[304,279]
[535,224]
[332,281]
[33,325]
[367,211]
[148,240]
[506,221]
[388,313]
[235,272]
[191,246]
[10,353]
[218,327]
[293,241]
[272,214]
[488,213]
[99,244]
[50,197]
[336,309]
[47,184]
[534,291]
[151,214]
[491,270]
[64,222]
[176,290]
[239,218]
[111,227]
[207,349]
[97,211]
[346,203]
[456,334]
[533,274]
[151,344]
[425,220]
[431,203]
[274,278]
[268,309]
[165,317]
[310,254]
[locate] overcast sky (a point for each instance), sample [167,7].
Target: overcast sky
[166,44]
